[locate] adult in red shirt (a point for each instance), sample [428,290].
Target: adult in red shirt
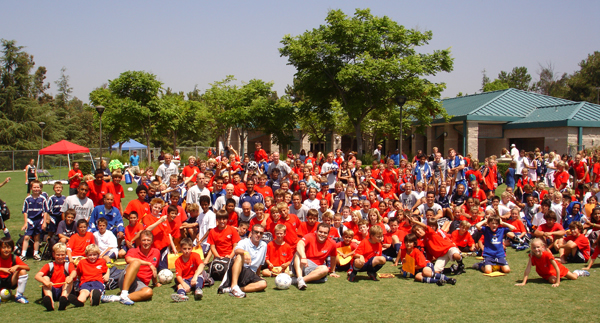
[75,176]
[142,263]
[298,169]
[561,177]
[311,252]
[98,188]
[191,170]
[260,154]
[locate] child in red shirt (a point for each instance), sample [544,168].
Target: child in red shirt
[57,279]
[345,249]
[334,232]
[116,189]
[550,231]
[392,241]
[462,238]
[174,226]
[279,254]
[310,225]
[223,239]
[232,216]
[437,247]
[79,242]
[423,270]
[367,257]
[546,266]
[575,247]
[132,234]
[13,273]
[189,269]
[92,272]
[362,233]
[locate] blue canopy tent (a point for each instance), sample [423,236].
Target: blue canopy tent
[130,145]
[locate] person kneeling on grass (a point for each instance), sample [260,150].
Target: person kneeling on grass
[423,269]
[367,257]
[93,273]
[57,279]
[575,247]
[494,254]
[13,271]
[242,277]
[190,273]
[309,262]
[547,267]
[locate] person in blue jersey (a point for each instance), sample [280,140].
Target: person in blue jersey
[55,203]
[112,216]
[35,210]
[455,169]
[494,231]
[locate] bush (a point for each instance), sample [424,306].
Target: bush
[502,168]
[85,166]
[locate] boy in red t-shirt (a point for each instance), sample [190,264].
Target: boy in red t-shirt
[546,266]
[189,273]
[93,273]
[367,257]
[423,269]
[550,231]
[334,233]
[520,233]
[362,233]
[132,234]
[345,249]
[13,271]
[232,216]
[575,247]
[223,239]
[279,254]
[174,226]
[438,248]
[57,279]
[462,238]
[116,189]
[310,225]
[392,240]
[79,242]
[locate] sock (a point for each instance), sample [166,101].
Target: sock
[429,280]
[376,268]
[22,284]
[397,247]
[200,283]
[440,276]
[124,293]
[24,253]
[406,274]
[35,252]
[181,291]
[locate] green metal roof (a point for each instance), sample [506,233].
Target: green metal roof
[576,114]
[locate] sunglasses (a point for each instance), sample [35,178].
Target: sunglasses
[258,232]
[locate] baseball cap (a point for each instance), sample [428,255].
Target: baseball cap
[513,145]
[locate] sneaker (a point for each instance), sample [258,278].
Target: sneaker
[237,292]
[63,302]
[301,284]
[441,282]
[451,281]
[48,303]
[110,298]
[373,276]
[461,269]
[23,258]
[522,247]
[37,257]
[581,272]
[126,301]
[96,295]
[352,276]
[21,299]
[179,298]
[198,294]
[7,234]
[225,290]
[454,269]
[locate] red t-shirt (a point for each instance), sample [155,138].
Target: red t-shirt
[544,267]
[479,195]
[130,232]
[435,245]
[223,239]
[265,191]
[561,178]
[583,244]
[182,215]
[579,169]
[189,171]
[187,269]
[260,155]
[596,170]
[389,176]
[239,189]
[74,183]
[255,220]
[546,228]
[161,232]
[232,219]
[174,227]
[91,272]
[368,249]
[420,260]
[118,193]
[279,254]
[334,233]
[78,243]
[58,276]
[305,228]
[341,244]
[326,197]
[141,208]
[153,257]
[518,224]
[7,263]
[387,237]
[97,192]
[462,241]
[318,252]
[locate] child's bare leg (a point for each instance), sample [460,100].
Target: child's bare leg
[571,276]
[552,279]
[487,269]
[83,295]
[25,244]
[36,243]
[122,253]
[267,272]
[505,269]
[419,277]
[66,289]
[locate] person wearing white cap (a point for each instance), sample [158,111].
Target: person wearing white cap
[514,152]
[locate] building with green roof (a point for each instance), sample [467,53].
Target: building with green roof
[482,124]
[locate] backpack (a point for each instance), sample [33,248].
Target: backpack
[4,211]
[218,268]
[51,269]
[19,246]
[113,278]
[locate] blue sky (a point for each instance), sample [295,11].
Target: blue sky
[188,43]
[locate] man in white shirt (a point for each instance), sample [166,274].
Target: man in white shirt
[377,153]
[430,205]
[514,152]
[82,205]
[284,168]
[167,169]
[328,169]
[220,201]
[194,193]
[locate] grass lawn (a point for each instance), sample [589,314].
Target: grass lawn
[474,298]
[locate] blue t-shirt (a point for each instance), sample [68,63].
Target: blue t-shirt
[134,160]
[510,178]
[35,207]
[493,242]
[55,205]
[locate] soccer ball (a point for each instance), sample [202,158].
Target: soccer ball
[252,165]
[165,276]
[130,189]
[5,295]
[283,281]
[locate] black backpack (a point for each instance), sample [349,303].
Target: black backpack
[4,211]
[218,268]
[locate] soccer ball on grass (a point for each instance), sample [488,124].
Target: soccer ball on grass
[165,276]
[5,295]
[283,281]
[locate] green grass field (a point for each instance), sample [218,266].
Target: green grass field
[474,298]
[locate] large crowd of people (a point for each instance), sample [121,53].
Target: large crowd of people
[310,215]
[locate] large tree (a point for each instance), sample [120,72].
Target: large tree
[584,84]
[518,78]
[364,62]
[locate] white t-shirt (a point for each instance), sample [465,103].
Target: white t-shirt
[557,208]
[206,221]
[83,208]
[331,178]
[221,200]
[106,241]
[165,171]
[501,209]
[538,219]
[424,207]
[312,205]
[520,163]
[194,193]
[408,201]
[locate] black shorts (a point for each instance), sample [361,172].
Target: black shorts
[247,277]
[7,283]
[577,258]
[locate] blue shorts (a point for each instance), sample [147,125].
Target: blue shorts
[489,261]
[34,227]
[53,225]
[56,292]
[368,267]
[92,285]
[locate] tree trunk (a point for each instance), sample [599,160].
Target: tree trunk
[242,138]
[359,146]
[147,135]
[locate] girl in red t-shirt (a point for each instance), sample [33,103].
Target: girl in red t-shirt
[545,265]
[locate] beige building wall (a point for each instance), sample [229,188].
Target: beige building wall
[473,138]
[555,138]
[591,137]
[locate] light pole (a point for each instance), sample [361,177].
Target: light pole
[400,99]
[42,126]
[100,110]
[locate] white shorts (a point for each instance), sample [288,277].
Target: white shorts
[441,262]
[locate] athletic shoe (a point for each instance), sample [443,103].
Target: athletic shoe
[301,284]
[441,282]
[352,276]
[73,300]
[21,299]
[37,257]
[237,292]
[454,269]
[179,298]
[461,269]
[48,303]
[373,276]
[7,234]
[198,294]
[225,290]
[63,302]
[96,295]
[451,281]
[110,298]
[522,247]
[126,301]
[581,272]
[23,258]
